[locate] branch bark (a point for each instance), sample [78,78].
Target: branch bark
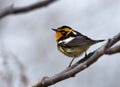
[16,10]
[113,50]
[81,64]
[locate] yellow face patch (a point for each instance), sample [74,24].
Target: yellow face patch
[67,30]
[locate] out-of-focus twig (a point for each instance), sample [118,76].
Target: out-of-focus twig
[16,10]
[12,70]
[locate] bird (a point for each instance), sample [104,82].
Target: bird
[71,42]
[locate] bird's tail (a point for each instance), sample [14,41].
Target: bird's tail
[97,41]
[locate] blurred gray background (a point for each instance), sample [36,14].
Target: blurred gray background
[28,47]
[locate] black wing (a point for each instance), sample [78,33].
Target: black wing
[79,41]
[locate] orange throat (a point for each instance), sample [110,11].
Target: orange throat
[58,36]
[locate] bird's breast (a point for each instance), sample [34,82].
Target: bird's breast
[72,51]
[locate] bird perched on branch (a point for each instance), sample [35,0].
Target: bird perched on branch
[72,43]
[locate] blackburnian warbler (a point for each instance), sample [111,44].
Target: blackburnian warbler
[71,42]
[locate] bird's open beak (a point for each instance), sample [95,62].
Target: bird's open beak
[54,29]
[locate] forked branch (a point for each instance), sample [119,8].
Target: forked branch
[82,64]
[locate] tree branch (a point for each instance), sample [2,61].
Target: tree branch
[16,10]
[81,64]
[113,50]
